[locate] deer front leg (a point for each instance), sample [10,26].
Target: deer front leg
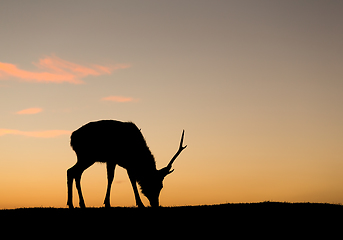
[135,190]
[110,175]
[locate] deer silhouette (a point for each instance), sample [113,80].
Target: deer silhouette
[117,143]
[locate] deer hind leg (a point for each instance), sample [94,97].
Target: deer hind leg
[110,175]
[70,179]
[75,172]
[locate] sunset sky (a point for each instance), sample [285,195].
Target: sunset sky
[257,85]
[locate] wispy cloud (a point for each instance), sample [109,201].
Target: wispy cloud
[57,70]
[119,99]
[29,111]
[37,134]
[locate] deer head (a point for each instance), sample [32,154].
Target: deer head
[152,187]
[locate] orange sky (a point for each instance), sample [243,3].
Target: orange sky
[58,71]
[257,86]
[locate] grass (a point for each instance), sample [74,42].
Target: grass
[244,219]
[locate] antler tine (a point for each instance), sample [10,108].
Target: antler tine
[179,151]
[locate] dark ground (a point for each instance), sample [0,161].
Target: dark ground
[245,220]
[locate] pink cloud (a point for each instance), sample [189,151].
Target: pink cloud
[57,70]
[37,134]
[30,111]
[119,99]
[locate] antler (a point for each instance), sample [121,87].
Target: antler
[178,151]
[166,170]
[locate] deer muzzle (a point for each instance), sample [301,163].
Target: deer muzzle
[154,203]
